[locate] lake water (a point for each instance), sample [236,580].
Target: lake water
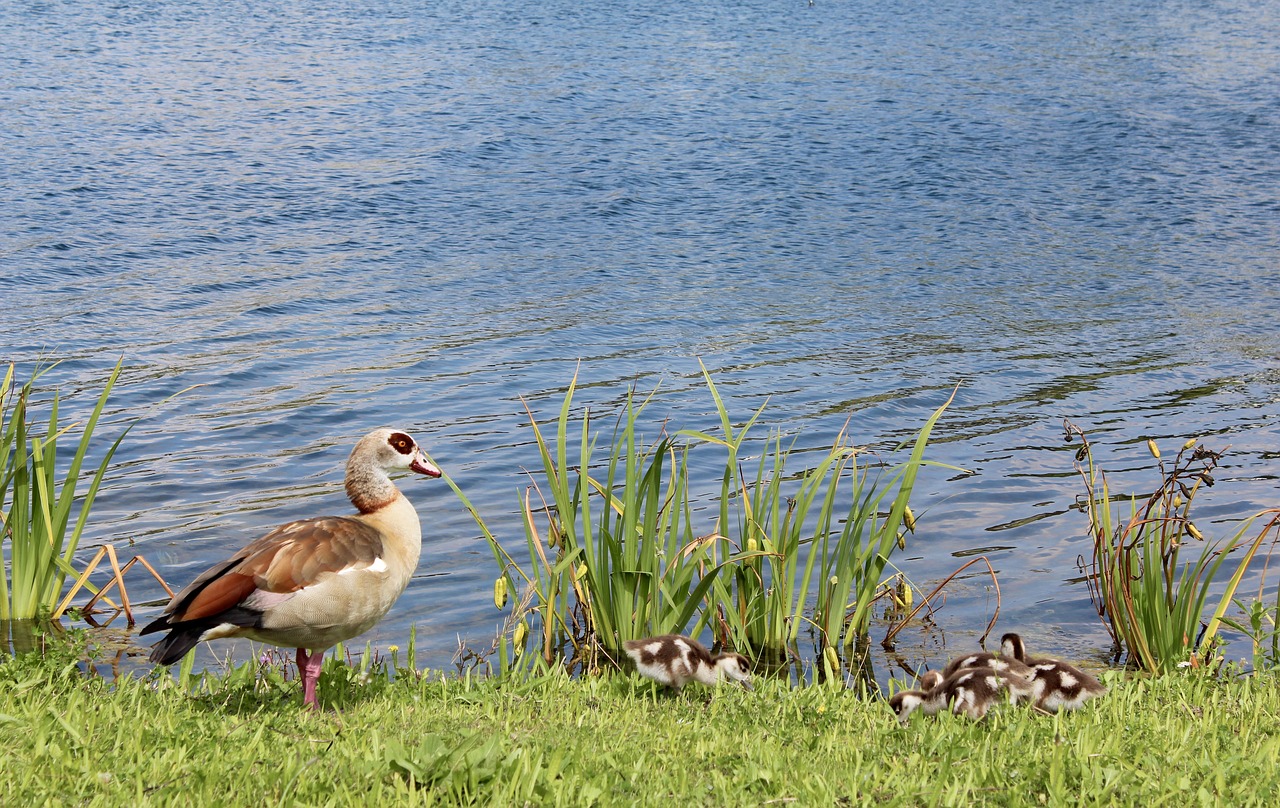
[339,215]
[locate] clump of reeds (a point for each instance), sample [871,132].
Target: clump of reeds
[617,552]
[820,535]
[35,503]
[1152,601]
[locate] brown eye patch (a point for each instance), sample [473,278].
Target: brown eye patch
[401,442]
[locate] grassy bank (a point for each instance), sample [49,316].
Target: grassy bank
[242,740]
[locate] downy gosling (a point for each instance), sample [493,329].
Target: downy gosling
[674,660]
[969,691]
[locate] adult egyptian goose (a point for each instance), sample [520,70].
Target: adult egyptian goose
[970,691]
[313,583]
[674,660]
[1058,685]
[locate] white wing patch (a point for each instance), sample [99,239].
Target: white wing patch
[378,565]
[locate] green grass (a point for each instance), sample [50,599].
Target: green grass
[614,740]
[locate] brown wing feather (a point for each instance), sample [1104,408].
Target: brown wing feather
[219,595]
[285,560]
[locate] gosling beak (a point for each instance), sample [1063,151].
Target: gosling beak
[746,684]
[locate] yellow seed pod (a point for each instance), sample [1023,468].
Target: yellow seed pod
[752,545]
[581,572]
[835,579]
[517,639]
[909,519]
[902,594]
[1190,442]
[1177,501]
[833,659]
[1195,532]
[902,540]
[500,591]
[1155,450]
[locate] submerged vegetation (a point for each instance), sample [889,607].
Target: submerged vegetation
[238,738]
[619,549]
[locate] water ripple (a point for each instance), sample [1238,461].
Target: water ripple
[353,213]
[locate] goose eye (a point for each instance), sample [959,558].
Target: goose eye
[401,442]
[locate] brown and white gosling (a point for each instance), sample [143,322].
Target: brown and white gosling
[984,659]
[969,691]
[674,660]
[1058,685]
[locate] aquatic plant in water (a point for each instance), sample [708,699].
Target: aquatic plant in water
[1153,602]
[614,553]
[35,505]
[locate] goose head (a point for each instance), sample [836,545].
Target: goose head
[930,679]
[905,702]
[381,451]
[392,449]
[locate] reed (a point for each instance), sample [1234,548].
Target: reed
[1153,601]
[619,560]
[37,504]
[801,543]
[615,553]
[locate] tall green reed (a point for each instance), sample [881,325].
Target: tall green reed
[619,559]
[35,505]
[1152,601]
[799,536]
[615,552]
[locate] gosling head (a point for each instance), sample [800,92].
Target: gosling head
[1011,646]
[735,668]
[930,679]
[905,702]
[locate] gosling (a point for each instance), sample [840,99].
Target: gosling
[674,660]
[1058,685]
[970,691]
[984,659]
[1011,646]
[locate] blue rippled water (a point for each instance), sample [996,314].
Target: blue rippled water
[335,215]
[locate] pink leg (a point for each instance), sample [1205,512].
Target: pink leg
[309,669]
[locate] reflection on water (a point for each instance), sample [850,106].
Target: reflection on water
[355,213]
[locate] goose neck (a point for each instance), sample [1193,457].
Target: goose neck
[368,486]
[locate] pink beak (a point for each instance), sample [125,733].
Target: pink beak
[421,465]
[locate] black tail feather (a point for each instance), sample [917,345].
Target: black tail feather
[183,637]
[155,625]
[176,644]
